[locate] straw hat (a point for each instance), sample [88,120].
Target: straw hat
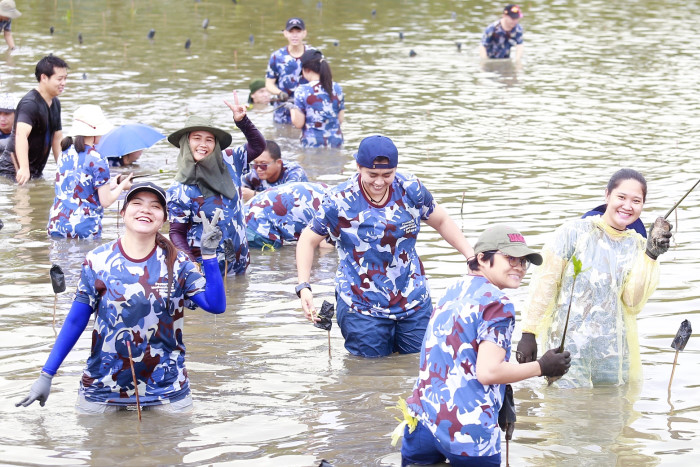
[89,120]
[8,9]
[195,123]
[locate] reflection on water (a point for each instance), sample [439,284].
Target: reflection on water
[531,146]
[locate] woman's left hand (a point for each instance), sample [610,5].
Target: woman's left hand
[239,111]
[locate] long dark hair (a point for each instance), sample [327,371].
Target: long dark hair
[68,141]
[315,61]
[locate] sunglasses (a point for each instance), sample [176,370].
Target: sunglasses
[259,166]
[515,262]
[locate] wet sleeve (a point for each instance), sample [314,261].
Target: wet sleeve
[245,180]
[641,282]
[76,322]
[546,281]
[498,324]
[178,235]
[256,141]
[320,224]
[212,298]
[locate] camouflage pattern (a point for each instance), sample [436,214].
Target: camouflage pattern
[286,71]
[76,210]
[499,42]
[129,298]
[447,397]
[602,330]
[379,271]
[291,172]
[322,127]
[186,205]
[281,213]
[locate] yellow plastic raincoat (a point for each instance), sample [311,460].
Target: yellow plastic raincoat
[616,282]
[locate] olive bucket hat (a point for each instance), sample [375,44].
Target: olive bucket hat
[196,123]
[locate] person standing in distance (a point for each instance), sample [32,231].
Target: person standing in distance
[500,36]
[37,129]
[284,68]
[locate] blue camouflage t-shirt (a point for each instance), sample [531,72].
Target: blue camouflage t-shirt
[461,412]
[129,298]
[498,42]
[286,71]
[379,272]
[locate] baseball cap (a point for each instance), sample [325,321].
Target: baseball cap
[8,103]
[513,11]
[506,240]
[377,146]
[295,23]
[150,187]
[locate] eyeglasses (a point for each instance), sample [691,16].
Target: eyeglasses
[515,262]
[259,166]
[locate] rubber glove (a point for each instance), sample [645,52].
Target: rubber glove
[554,364]
[40,391]
[659,238]
[527,348]
[282,96]
[211,234]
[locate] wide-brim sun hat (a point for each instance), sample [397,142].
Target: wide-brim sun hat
[196,123]
[89,120]
[8,9]
[507,240]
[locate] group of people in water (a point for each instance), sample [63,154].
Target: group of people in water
[139,285]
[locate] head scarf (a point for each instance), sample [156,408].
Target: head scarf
[209,174]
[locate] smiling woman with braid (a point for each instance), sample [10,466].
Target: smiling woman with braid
[138,288]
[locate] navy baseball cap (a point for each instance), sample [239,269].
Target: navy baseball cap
[377,146]
[151,188]
[514,11]
[295,23]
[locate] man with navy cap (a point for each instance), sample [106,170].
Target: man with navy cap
[284,68]
[500,36]
[383,300]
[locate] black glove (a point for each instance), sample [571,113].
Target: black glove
[39,392]
[527,348]
[211,234]
[554,364]
[282,96]
[659,238]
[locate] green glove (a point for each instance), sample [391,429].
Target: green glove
[40,391]
[211,234]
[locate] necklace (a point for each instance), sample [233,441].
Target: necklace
[375,201]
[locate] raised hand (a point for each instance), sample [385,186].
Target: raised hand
[239,111]
[211,234]
[659,238]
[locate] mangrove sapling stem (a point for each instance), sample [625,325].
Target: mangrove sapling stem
[681,200]
[577,271]
[679,343]
[133,376]
[673,370]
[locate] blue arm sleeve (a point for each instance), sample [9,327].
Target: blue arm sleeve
[73,327]
[213,299]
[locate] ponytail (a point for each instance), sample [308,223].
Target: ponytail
[79,142]
[170,256]
[326,77]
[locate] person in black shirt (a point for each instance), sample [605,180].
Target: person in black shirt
[37,128]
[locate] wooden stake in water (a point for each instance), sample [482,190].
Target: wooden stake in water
[679,342]
[461,209]
[577,270]
[133,375]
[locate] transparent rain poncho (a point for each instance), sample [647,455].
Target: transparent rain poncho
[616,282]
